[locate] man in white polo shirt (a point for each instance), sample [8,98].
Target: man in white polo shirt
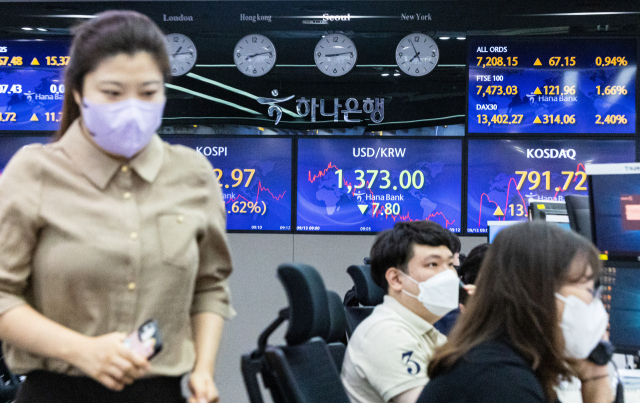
[388,354]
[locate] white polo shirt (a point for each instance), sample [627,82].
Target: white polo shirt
[388,354]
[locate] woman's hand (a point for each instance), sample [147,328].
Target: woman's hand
[107,360]
[203,389]
[596,387]
[588,370]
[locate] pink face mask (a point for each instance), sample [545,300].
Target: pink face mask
[122,128]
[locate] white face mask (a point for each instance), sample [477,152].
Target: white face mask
[439,294]
[583,325]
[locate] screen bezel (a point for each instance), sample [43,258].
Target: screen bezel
[550,134]
[293,166]
[615,258]
[527,137]
[31,132]
[462,177]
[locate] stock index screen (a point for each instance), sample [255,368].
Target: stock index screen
[32,83]
[552,86]
[367,185]
[255,179]
[503,175]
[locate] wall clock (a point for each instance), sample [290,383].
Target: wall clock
[182,53]
[417,55]
[254,55]
[335,55]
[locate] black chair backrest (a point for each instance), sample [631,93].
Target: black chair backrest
[304,370]
[338,320]
[337,334]
[368,292]
[579,215]
[306,373]
[309,316]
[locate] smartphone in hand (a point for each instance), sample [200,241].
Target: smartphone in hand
[463,294]
[146,340]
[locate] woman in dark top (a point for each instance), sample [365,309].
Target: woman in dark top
[532,321]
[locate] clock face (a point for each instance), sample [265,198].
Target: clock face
[417,55]
[255,55]
[182,53]
[335,55]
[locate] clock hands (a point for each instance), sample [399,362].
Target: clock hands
[338,54]
[180,48]
[414,49]
[256,54]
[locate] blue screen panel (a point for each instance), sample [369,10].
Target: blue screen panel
[367,185]
[552,86]
[624,314]
[616,207]
[504,174]
[255,178]
[32,83]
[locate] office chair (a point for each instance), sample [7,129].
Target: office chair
[336,338]
[368,295]
[302,371]
[579,215]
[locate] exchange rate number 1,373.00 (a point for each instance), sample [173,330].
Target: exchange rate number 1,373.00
[407,179]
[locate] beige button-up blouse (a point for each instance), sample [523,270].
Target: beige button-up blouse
[101,245]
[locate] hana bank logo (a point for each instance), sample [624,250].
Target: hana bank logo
[274,108]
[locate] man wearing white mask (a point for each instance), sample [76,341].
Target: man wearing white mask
[388,354]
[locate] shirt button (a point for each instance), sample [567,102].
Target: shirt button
[124,168]
[180,218]
[131,286]
[133,235]
[127,195]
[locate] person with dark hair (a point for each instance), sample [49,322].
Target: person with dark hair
[388,353]
[108,227]
[467,272]
[469,269]
[532,321]
[456,246]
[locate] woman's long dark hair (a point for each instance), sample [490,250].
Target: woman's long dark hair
[110,33]
[514,301]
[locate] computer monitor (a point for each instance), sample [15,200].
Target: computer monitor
[496,226]
[614,192]
[550,211]
[541,209]
[622,300]
[579,214]
[561,221]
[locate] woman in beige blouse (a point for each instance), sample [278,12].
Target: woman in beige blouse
[108,227]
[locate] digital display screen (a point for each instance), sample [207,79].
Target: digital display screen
[367,185]
[552,86]
[11,145]
[503,175]
[254,176]
[624,311]
[616,208]
[32,83]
